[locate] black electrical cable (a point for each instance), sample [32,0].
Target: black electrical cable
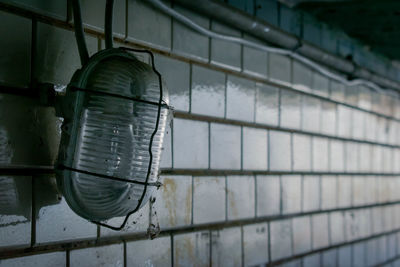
[108,24]
[79,34]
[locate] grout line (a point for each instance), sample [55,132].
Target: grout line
[192,204]
[242,244]
[190,87]
[226,198]
[68,258]
[125,254]
[172,250]
[33,212]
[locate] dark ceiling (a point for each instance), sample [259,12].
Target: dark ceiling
[374,22]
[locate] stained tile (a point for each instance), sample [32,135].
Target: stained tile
[351,96]
[15,211]
[377,161]
[240,99]
[311,114]
[190,144]
[255,61]
[365,157]
[344,121]
[241,197]
[208,92]
[225,147]
[178,89]
[280,151]
[320,154]
[255,244]
[337,91]
[291,193]
[188,42]
[359,190]
[337,158]
[267,104]
[50,205]
[301,234]
[301,152]
[155,252]
[141,26]
[225,53]
[166,155]
[268,195]
[174,201]
[255,150]
[358,131]
[311,193]
[302,77]
[352,157]
[58,48]
[320,236]
[290,109]
[382,133]
[208,199]
[328,118]
[112,255]
[320,84]
[226,247]
[281,241]
[279,68]
[364,98]
[15,66]
[43,260]
[371,127]
[192,249]
[328,192]
[336,227]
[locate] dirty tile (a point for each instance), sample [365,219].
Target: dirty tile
[279,68]
[155,252]
[50,205]
[344,121]
[328,192]
[190,144]
[320,151]
[187,42]
[255,149]
[377,161]
[255,61]
[337,159]
[370,127]
[290,109]
[267,104]
[301,234]
[93,13]
[208,92]
[382,133]
[384,189]
[311,193]
[280,155]
[241,197]
[365,157]
[178,89]
[240,99]
[302,76]
[174,201]
[320,235]
[337,91]
[371,192]
[359,190]
[387,158]
[344,191]
[192,249]
[352,95]
[255,244]
[301,152]
[268,195]
[208,199]
[225,147]
[358,131]
[320,84]
[43,260]
[112,255]
[364,98]
[226,247]
[291,193]
[15,211]
[15,66]
[58,48]
[224,53]
[358,254]
[328,118]
[141,26]
[281,240]
[352,157]
[352,225]
[166,155]
[311,114]
[336,223]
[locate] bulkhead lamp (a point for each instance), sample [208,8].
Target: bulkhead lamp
[115,113]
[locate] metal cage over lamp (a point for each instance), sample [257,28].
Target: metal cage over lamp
[115,114]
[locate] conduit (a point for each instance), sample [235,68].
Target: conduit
[293,47]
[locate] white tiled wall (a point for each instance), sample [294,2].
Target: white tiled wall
[265,159]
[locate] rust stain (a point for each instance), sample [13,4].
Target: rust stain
[188,206]
[169,195]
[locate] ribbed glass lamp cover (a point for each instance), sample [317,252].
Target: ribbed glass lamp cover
[110,136]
